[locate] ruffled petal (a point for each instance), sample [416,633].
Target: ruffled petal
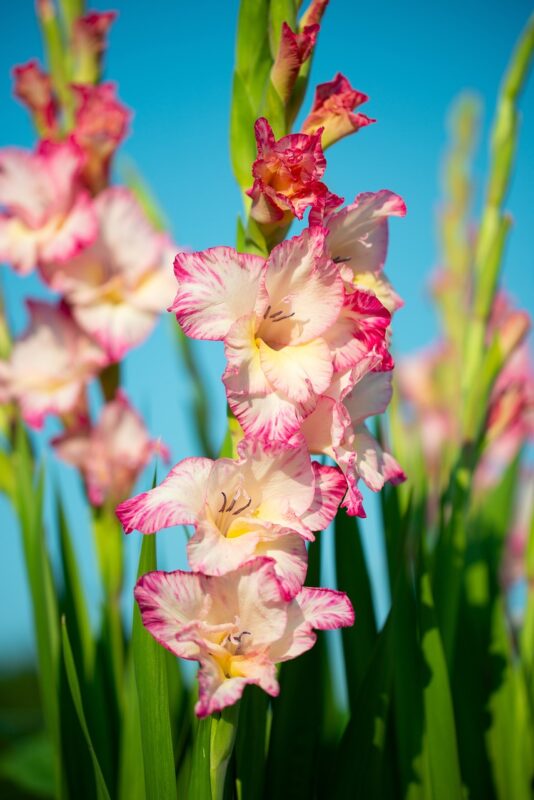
[370,396]
[169,602]
[178,500]
[359,232]
[360,329]
[301,281]
[215,288]
[330,486]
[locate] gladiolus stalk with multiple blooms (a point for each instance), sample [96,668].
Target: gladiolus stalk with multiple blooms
[306,320]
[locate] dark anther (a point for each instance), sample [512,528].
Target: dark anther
[267,312]
[239,510]
[340,260]
[238,637]
[232,504]
[277,314]
[223,507]
[286,317]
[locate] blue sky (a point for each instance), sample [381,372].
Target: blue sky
[173,63]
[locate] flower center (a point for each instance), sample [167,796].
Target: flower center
[233,505]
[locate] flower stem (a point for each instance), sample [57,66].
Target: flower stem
[222,740]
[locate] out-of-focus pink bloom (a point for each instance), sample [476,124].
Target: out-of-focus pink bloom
[118,286]
[332,111]
[337,429]
[358,242]
[101,123]
[237,626]
[510,418]
[45,216]
[287,324]
[287,177]
[111,454]
[514,562]
[89,42]
[34,88]
[49,365]
[262,504]
[424,380]
[293,51]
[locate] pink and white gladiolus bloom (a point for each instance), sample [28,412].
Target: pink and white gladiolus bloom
[49,365]
[118,287]
[110,455]
[44,216]
[261,504]
[287,177]
[333,111]
[358,242]
[287,323]
[237,626]
[337,429]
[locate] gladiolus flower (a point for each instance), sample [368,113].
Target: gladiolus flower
[111,454]
[358,242]
[293,51]
[238,626]
[261,504]
[332,111]
[119,286]
[49,365]
[337,429]
[45,216]
[286,322]
[287,176]
[101,123]
[34,88]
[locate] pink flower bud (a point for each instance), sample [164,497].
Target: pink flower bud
[293,51]
[33,87]
[333,111]
[101,123]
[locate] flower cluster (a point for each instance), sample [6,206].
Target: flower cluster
[94,247]
[306,331]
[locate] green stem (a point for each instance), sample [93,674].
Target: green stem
[222,740]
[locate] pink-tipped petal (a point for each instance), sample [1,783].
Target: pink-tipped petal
[176,501]
[326,609]
[330,486]
[168,602]
[215,288]
[359,232]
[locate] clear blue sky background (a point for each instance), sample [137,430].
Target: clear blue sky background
[173,63]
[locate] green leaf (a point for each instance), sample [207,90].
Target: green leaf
[296,762]
[131,783]
[28,764]
[200,783]
[153,697]
[29,508]
[426,735]
[352,578]
[251,743]
[243,115]
[361,765]
[74,605]
[74,685]
[510,737]
[253,65]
